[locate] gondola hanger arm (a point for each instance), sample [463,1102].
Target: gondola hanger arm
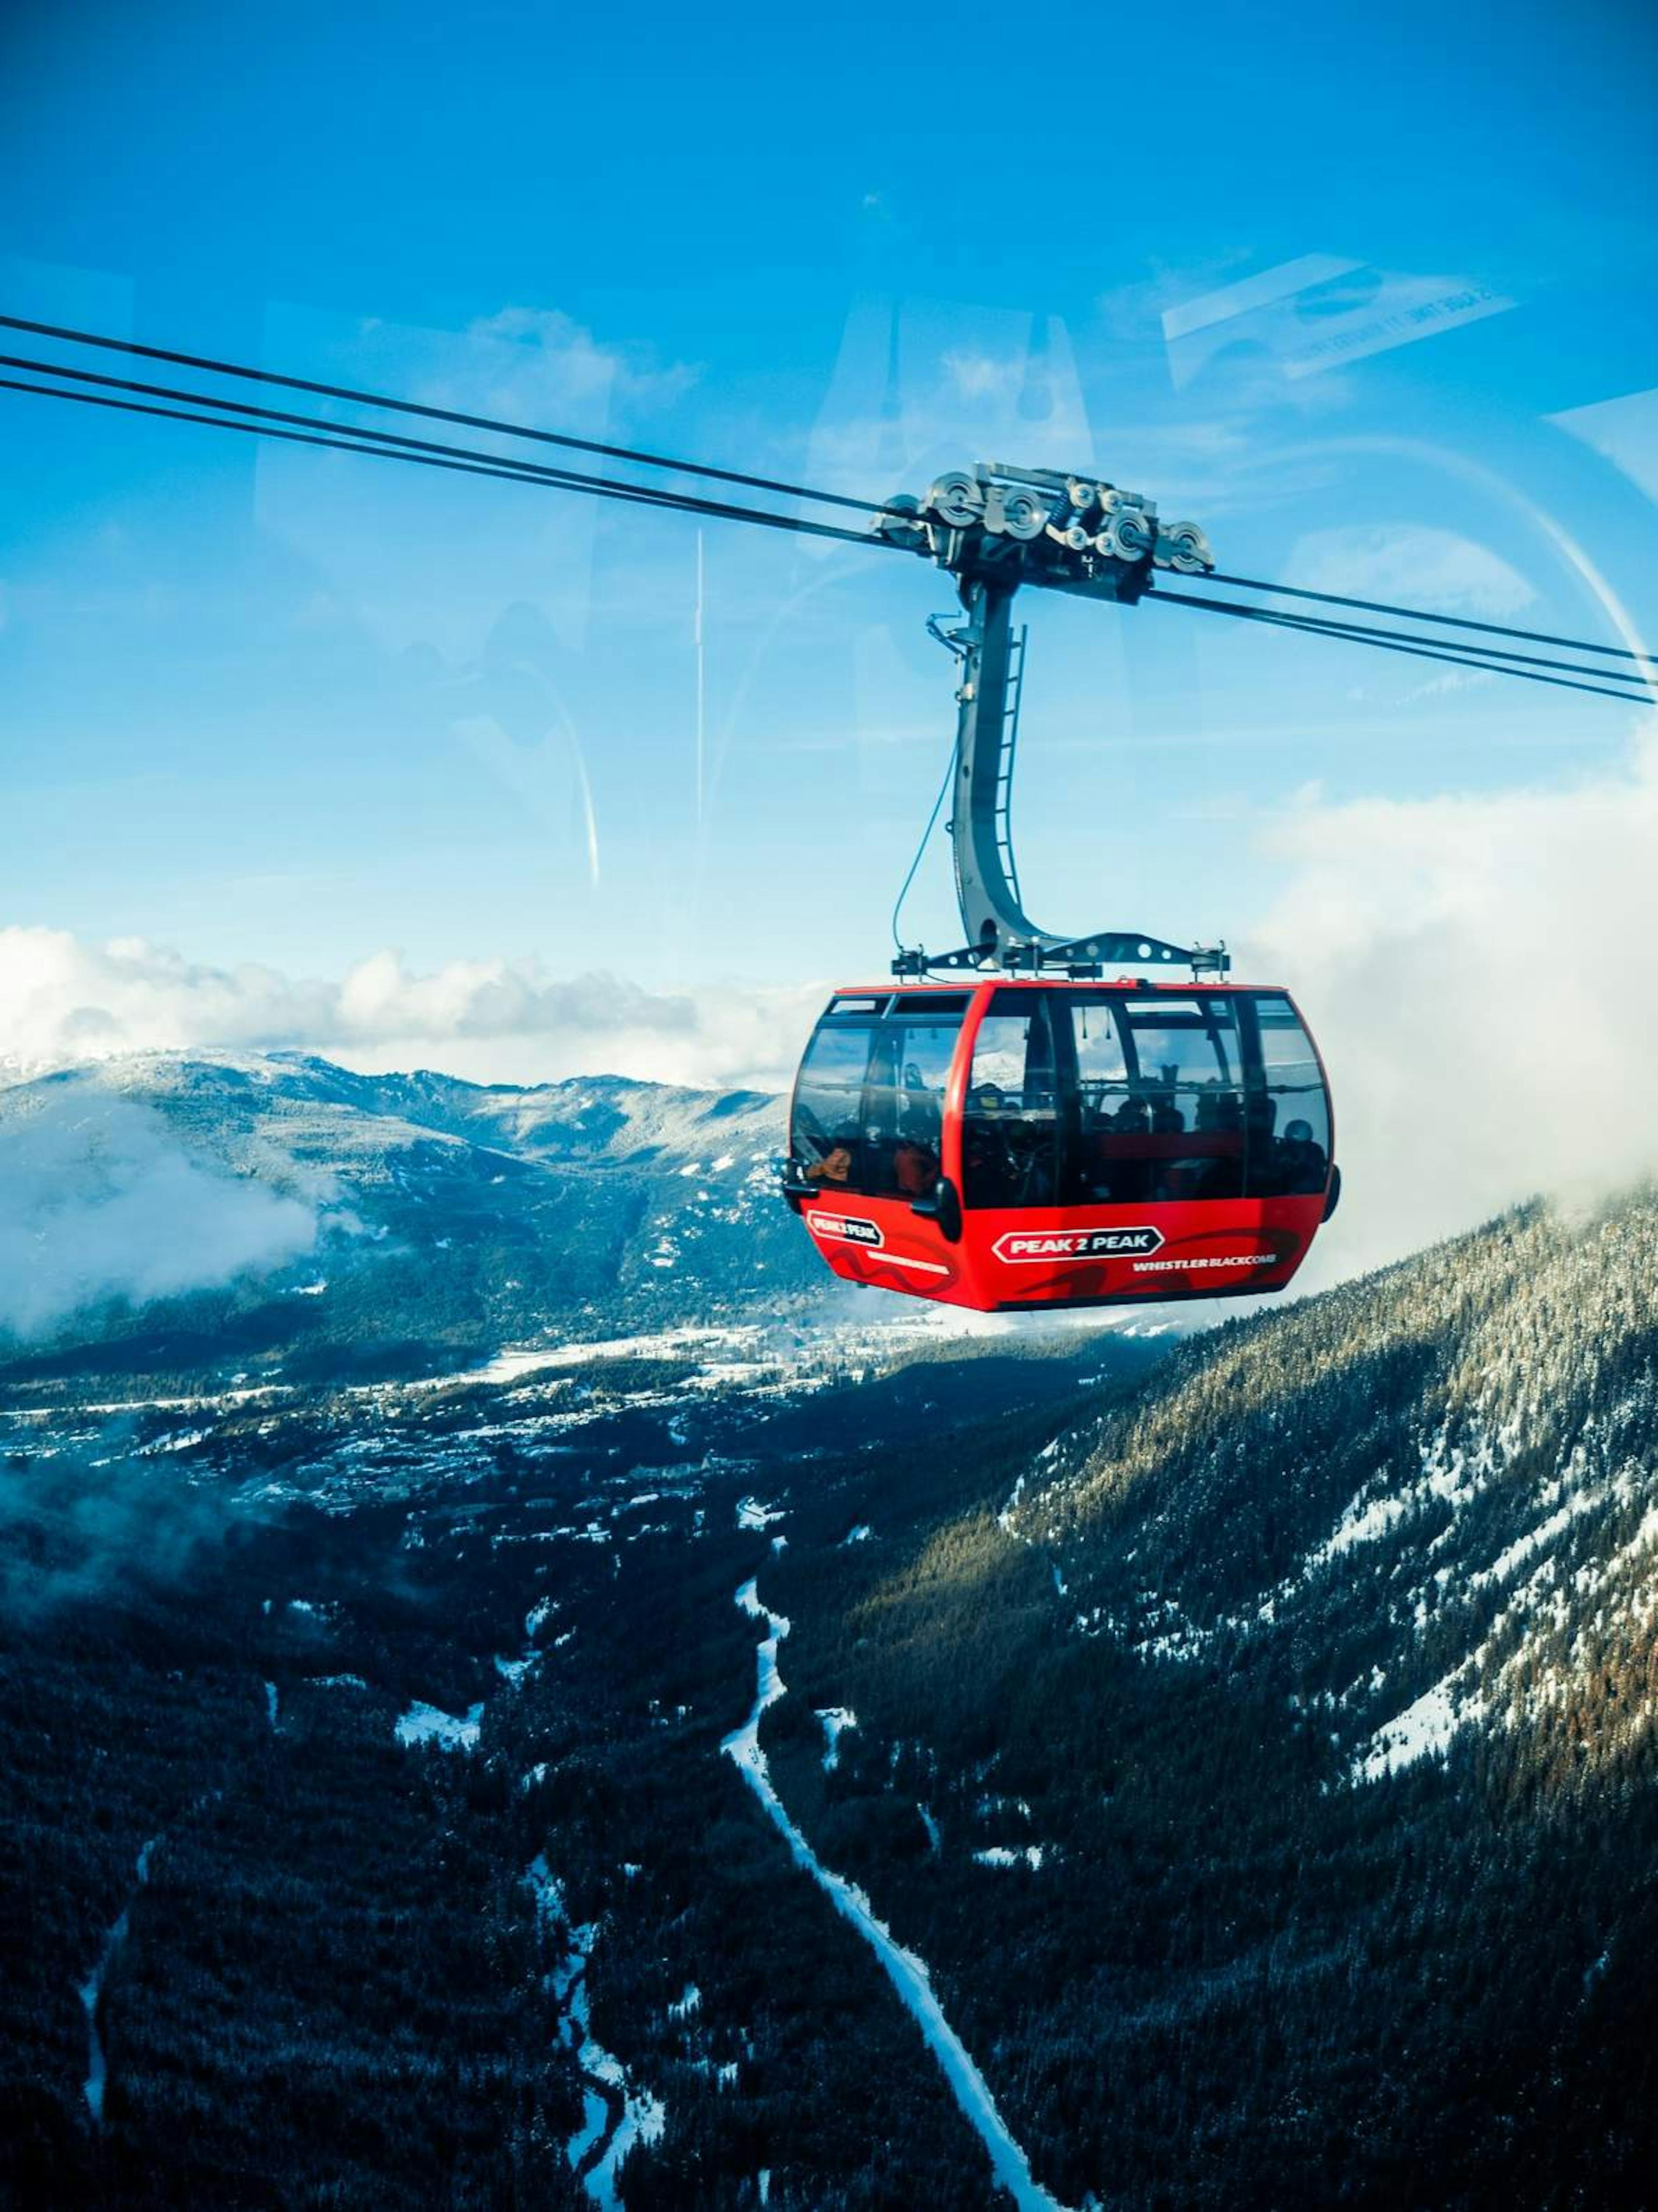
[996,528]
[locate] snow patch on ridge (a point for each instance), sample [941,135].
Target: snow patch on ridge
[424,1723]
[835,1718]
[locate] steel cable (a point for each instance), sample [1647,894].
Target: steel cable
[1421,614]
[1455,656]
[1368,632]
[216,368]
[303,429]
[463,460]
[932,820]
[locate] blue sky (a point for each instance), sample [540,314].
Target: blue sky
[262,706]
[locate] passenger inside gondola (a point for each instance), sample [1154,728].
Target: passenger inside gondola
[1302,1162]
[868,1114]
[916,1167]
[836,1166]
[904,1107]
[986,1161]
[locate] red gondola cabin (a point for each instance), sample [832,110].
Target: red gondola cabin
[1020,1145]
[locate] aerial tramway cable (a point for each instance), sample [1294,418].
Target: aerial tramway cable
[216,368]
[786,487]
[289,428]
[463,460]
[1421,614]
[1452,651]
[216,411]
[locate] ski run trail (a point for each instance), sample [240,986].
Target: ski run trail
[92,1990]
[616,2114]
[907,1973]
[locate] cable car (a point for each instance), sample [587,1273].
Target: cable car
[1032,1144]
[1026,1133]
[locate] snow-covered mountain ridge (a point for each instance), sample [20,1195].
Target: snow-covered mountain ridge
[608,1116]
[439,1211]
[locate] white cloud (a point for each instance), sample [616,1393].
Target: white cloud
[974,375]
[62,1000]
[1420,566]
[931,384]
[541,358]
[1479,972]
[97,1202]
[1441,687]
[482,556]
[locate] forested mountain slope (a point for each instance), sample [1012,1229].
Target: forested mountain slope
[1424,1504]
[1271,1780]
[1254,1742]
[366,1834]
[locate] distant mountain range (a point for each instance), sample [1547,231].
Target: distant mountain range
[450,1217]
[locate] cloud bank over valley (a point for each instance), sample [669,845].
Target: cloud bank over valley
[99,1202]
[1479,972]
[1475,968]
